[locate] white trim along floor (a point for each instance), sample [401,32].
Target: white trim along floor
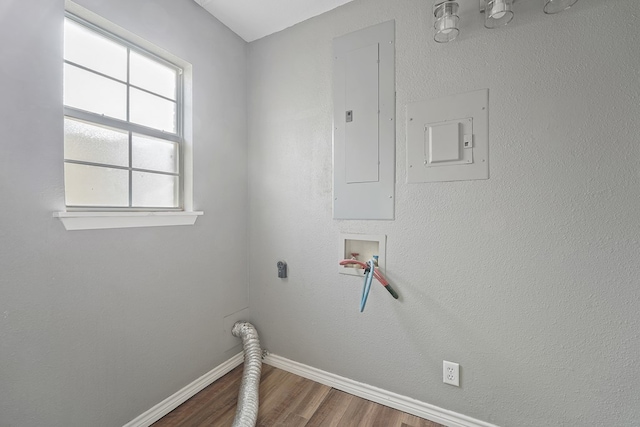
[374,394]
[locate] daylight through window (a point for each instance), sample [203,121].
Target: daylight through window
[122,124]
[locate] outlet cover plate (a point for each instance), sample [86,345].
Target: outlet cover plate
[451,373]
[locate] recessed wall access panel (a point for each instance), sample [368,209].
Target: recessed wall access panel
[448,138]
[362,247]
[364,123]
[228,340]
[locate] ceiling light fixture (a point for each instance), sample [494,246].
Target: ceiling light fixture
[555,6]
[446,23]
[498,13]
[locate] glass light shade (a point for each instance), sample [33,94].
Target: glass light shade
[555,6]
[446,23]
[498,13]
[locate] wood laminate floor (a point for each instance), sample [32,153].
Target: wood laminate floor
[286,400]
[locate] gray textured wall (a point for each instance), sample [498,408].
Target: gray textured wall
[98,326]
[529,280]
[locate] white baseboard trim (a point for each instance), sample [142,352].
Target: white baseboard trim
[374,394]
[177,399]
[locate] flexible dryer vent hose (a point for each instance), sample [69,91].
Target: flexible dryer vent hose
[247,411]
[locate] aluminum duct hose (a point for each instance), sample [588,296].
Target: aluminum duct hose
[247,411]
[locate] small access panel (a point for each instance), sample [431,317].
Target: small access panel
[448,138]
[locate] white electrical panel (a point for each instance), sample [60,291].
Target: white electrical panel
[364,123]
[448,138]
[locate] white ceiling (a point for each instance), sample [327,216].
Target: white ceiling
[254,19]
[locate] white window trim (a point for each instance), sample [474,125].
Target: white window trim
[92,220]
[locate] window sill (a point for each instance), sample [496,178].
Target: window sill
[101,220]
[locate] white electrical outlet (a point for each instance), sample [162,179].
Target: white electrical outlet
[451,373]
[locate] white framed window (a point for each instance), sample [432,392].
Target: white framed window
[124,133]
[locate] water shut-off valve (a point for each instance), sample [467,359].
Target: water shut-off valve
[370,272]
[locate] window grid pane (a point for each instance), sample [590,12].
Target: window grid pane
[94,93]
[154,182]
[152,111]
[153,76]
[160,90]
[95,186]
[91,143]
[155,190]
[154,154]
[81,45]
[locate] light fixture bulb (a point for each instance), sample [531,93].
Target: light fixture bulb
[498,13]
[556,6]
[446,22]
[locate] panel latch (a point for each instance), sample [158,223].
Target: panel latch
[349,116]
